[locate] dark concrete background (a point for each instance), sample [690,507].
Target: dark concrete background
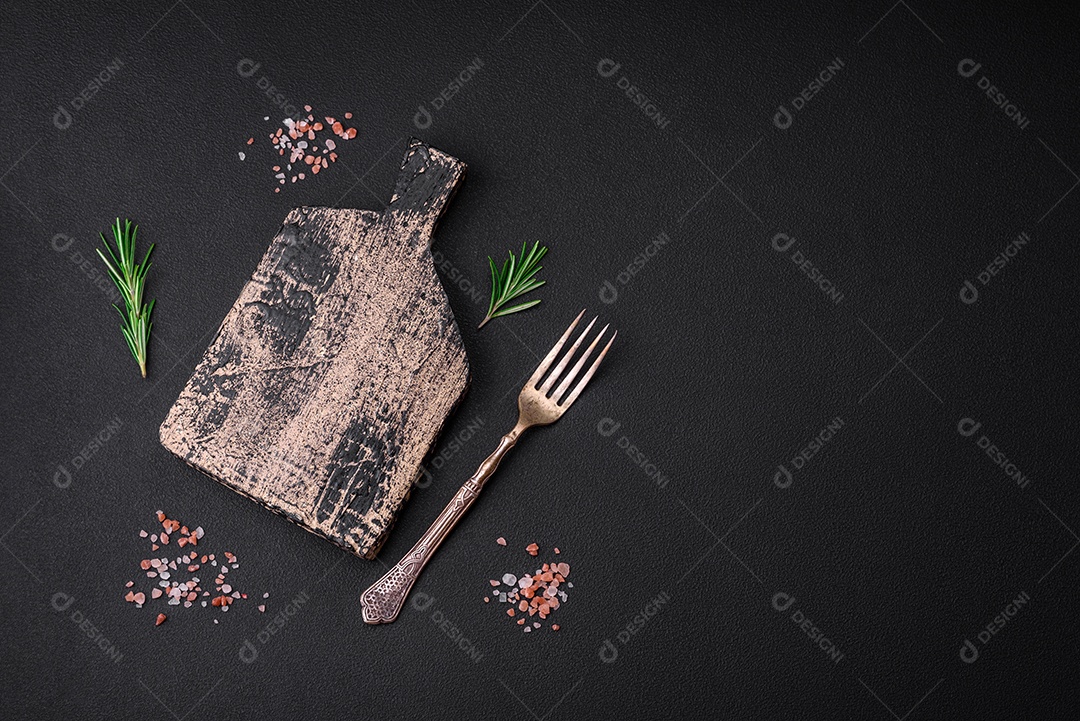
[898,180]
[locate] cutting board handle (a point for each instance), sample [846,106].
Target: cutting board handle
[425,185]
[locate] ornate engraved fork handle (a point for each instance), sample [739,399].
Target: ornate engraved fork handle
[384,599]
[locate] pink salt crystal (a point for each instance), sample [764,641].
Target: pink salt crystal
[501,541]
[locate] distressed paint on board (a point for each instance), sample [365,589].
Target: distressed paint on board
[334,372]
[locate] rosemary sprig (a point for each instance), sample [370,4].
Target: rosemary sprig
[516,278]
[130,279]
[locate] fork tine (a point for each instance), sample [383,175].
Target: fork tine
[554,375]
[584,381]
[546,363]
[561,390]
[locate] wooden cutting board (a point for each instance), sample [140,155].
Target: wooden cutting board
[333,373]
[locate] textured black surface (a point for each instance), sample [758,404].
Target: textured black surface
[899,181]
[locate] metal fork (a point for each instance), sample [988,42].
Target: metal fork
[537,406]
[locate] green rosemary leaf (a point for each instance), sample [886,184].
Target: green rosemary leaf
[129,277]
[504,274]
[525,279]
[533,285]
[515,278]
[494,284]
[529,267]
[516,308]
[526,259]
[509,275]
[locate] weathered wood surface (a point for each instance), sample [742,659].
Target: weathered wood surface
[334,372]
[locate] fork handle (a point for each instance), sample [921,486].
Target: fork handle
[383,601]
